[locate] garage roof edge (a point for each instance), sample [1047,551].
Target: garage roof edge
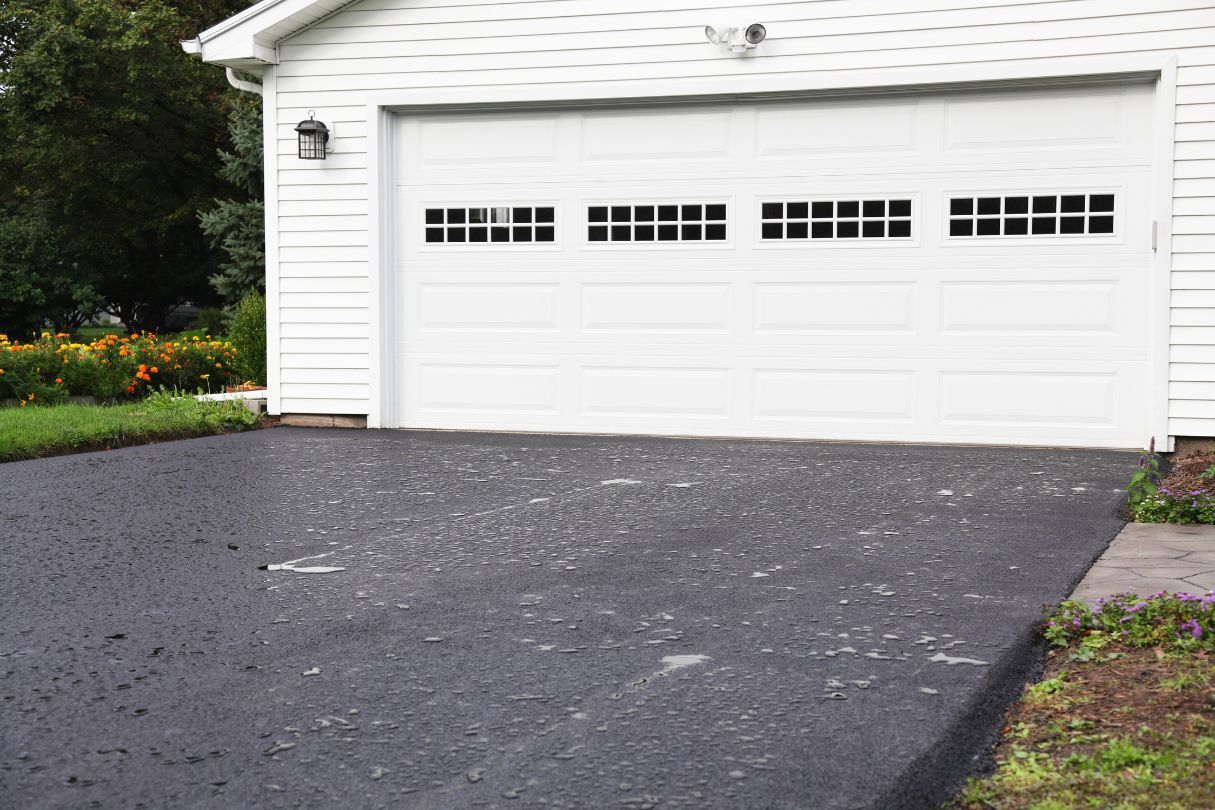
[249,40]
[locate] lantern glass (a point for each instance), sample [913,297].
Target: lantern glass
[313,139]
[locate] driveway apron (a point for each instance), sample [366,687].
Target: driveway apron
[297,618]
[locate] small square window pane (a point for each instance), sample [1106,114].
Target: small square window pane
[715,212]
[773,230]
[1045,205]
[456,216]
[499,215]
[434,216]
[668,233]
[546,214]
[989,205]
[643,233]
[457,235]
[1016,226]
[1071,225]
[478,234]
[643,213]
[597,213]
[851,208]
[961,227]
[546,233]
[597,233]
[693,212]
[478,215]
[622,213]
[1100,224]
[668,213]
[874,230]
[874,208]
[771,210]
[822,230]
[822,210]
[622,233]
[797,210]
[961,207]
[499,233]
[987,227]
[1072,204]
[1101,202]
[522,233]
[1043,225]
[1016,205]
[692,233]
[847,230]
[900,208]
[797,230]
[715,232]
[900,228]
[434,235]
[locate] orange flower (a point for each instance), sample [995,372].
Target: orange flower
[154,370]
[130,389]
[31,397]
[58,381]
[143,367]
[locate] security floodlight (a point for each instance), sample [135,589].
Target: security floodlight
[735,39]
[756,33]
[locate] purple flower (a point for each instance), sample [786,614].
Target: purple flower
[1194,627]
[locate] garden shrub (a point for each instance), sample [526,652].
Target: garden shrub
[1180,620]
[248,334]
[210,321]
[52,368]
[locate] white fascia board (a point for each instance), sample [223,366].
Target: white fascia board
[244,40]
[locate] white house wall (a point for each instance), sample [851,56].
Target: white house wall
[322,290]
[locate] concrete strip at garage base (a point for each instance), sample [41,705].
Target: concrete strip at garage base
[1149,557]
[516,620]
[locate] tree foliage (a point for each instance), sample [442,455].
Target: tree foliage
[110,135]
[238,227]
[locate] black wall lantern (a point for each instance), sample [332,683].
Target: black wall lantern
[314,136]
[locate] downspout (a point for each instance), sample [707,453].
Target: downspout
[241,84]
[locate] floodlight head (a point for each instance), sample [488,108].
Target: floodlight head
[756,33]
[712,35]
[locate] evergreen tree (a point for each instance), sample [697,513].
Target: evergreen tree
[238,227]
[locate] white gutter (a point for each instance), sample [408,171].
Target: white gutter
[241,84]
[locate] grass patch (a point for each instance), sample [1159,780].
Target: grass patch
[35,432]
[1124,716]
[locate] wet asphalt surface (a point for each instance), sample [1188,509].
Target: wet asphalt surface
[525,621]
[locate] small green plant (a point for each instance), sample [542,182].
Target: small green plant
[248,334]
[1146,481]
[1182,621]
[1209,472]
[1169,506]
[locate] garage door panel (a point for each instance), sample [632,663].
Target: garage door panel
[933,337]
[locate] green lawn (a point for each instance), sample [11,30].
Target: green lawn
[34,432]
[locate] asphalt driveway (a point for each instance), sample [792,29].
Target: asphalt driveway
[520,621]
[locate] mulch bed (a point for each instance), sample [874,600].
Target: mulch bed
[1185,469]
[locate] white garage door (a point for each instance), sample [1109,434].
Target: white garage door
[948,268]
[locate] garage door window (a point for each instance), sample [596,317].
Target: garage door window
[836,219]
[651,222]
[1032,215]
[510,224]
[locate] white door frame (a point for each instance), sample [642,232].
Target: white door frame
[383,107]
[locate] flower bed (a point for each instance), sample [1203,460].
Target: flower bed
[53,368]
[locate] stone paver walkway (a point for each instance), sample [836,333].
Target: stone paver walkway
[1150,557]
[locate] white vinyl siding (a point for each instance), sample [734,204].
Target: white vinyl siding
[379,45]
